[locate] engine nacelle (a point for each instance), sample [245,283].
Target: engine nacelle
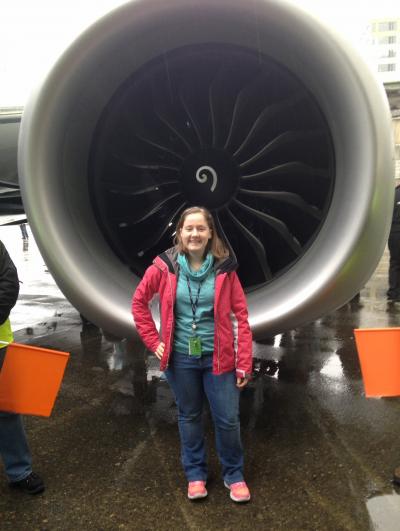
[255,109]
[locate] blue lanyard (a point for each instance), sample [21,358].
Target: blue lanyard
[195,303]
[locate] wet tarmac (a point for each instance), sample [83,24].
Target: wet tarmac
[319,455]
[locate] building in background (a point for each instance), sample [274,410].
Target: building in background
[383,38]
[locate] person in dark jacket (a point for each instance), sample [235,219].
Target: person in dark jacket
[14,448]
[393,292]
[199,292]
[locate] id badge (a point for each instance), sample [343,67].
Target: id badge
[194,347]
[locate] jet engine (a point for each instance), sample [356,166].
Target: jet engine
[254,109]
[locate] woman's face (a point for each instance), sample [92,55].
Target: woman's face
[195,234]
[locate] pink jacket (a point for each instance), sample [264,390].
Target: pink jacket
[161,278]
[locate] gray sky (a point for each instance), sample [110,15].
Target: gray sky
[33,34]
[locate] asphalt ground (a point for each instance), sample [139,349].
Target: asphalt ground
[319,455]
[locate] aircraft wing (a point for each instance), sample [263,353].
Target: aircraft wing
[11,207]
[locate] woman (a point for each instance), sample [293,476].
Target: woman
[199,290]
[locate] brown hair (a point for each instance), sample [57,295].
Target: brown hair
[215,245]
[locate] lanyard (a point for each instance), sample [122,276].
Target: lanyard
[195,303]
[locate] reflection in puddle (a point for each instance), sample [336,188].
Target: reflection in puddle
[384,512]
[153,369]
[277,340]
[116,358]
[333,367]
[266,368]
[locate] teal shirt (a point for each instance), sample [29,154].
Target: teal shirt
[205,308]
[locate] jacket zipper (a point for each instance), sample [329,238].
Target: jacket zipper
[218,356]
[170,334]
[217,332]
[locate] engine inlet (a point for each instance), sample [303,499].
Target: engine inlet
[219,126]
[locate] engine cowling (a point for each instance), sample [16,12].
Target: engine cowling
[253,109]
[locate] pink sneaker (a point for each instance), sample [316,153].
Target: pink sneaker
[239,491]
[197,490]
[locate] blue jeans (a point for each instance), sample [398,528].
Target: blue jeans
[14,448]
[191,380]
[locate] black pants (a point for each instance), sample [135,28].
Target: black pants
[394,266]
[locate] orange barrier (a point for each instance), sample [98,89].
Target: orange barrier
[30,379]
[379,354]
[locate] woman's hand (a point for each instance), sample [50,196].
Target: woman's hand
[241,382]
[160,350]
